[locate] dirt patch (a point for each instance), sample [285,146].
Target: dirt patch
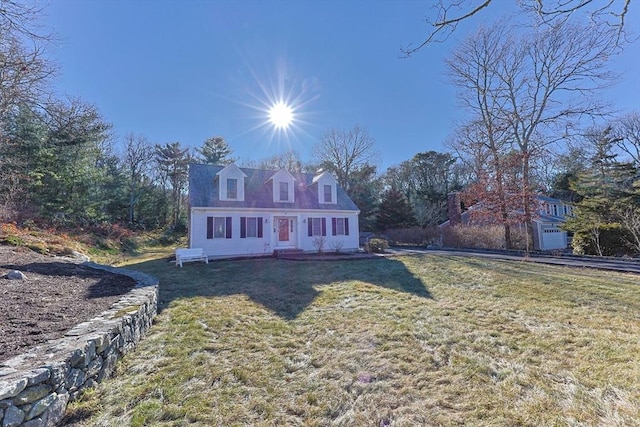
[57,295]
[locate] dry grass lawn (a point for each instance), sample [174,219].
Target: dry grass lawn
[405,341]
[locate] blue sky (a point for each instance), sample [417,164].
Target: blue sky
[185,71]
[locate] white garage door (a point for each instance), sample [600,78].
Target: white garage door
[553,238]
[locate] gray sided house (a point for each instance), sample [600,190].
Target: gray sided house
[552,213]
[548,235]
[237,211]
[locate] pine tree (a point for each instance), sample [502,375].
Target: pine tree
[394,211]
[608,193]
[173,162]
[215,151]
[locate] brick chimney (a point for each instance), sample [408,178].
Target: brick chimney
[453,208]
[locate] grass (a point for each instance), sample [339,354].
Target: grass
[420,340]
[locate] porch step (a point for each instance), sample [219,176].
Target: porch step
[287,252]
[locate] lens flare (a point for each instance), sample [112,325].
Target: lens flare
[281,115]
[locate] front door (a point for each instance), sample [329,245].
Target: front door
[286,232]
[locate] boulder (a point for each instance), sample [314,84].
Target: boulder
[16,275]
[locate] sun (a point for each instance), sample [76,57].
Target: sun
[281,115]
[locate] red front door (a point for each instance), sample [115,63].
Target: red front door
[283,230]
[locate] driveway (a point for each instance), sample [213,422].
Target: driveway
[631,266]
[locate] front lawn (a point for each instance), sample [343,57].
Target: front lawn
[415,340]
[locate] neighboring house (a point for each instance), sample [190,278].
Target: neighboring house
[547,234]
[246,212]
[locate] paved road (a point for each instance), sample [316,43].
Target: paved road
[631,266]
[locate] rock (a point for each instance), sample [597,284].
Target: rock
[13,417]
[59,373]
[107,367]
[16,275]
[94,367]
[31,394]
[56,411]
[38,376]
[41,405]
[12,388]
[75,379]
[36,422]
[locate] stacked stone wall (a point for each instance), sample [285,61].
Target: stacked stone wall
[36,386]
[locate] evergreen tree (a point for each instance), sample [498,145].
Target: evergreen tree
[173,162]
[607,192]
[73,184]
[215,151]
[394,212]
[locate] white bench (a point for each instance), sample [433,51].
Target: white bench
[193,254]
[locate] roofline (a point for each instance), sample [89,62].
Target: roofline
[270,210]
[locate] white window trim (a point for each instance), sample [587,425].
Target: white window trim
[315,229]
[215,227]
[237,190]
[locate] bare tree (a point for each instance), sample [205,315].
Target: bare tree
[630,220]
[448,14]
[25,74]
[485,139]
[136,161]
[22,18]
[482,144]
[529,90]
[627,132]
[345,152]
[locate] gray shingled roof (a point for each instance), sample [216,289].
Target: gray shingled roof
[203,191]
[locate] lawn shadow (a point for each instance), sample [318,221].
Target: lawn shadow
[284,287]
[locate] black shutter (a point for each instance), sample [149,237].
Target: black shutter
[310,226]
[228,227]
[334,230]
[259,226]
[243,227]
[209,227]
[324,226]
[346,226]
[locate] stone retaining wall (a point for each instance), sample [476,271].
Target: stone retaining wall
[36,386]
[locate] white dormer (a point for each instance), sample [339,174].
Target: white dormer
[231,183]
[283,186]
[327,188]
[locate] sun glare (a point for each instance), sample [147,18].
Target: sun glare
[281,102]
[281,115]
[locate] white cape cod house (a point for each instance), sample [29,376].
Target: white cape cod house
[250,212]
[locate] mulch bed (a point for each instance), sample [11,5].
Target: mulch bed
[57,295]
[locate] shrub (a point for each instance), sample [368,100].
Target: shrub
[41,248]
[13,241]
[414,236]
[482,237]
[376,246]
[9,229]
[318,243]
[612,240]
[337,245]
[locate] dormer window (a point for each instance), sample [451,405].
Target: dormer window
[232,188]
[284,191]
[283,184]
[327,193]
[327,188]
[230,181]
